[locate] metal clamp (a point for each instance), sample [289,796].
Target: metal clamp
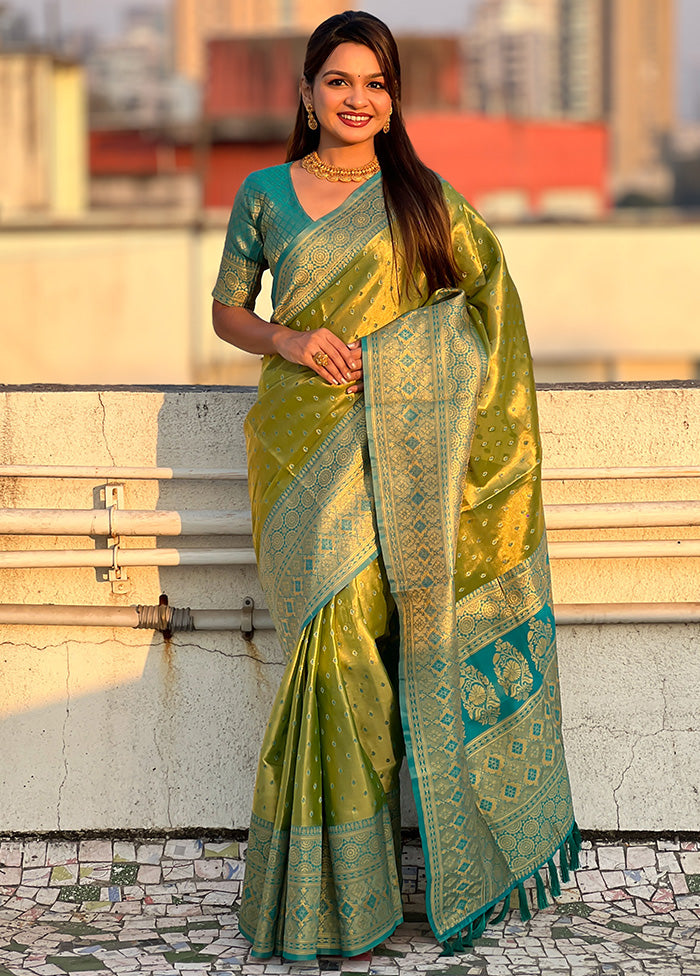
[247,618]
[114,500]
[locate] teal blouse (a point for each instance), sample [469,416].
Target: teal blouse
[266,217]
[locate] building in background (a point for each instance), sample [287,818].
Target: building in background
[639,95]
[15,30]
[510,168]
[131,77]
[580,67]
[43,134]
[588,60]
[198,21]
[511,53]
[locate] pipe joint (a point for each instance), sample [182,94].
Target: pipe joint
[164,618]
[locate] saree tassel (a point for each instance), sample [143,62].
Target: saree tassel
[573,854]
[447,949]
[466,937]
[525,914]
[563,864]
[541,893]
[479,925]
[554,885]
[577,836]
[504,910]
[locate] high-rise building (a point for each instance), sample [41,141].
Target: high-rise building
[616,62]
[579,58]
[639,93]
[589,60]
[511,58]
[197,21]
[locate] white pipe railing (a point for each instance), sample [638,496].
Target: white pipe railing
[622,515]
[626,613]
[100,616]
[134,522]
[33,615]
[119,557]
[116,521]
[113,473]
[624,548]
[123,473]
[613,474]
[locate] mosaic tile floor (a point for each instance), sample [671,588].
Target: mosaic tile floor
[169,907]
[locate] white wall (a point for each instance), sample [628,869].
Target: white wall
[106,729]
[111,303]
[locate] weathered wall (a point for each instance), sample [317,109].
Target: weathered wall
[43,163]
[101,303]
[106,729]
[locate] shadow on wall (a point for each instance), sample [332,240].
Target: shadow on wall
[121,729]
[113,729]
[217,687]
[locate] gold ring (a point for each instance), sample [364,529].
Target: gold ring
[321,359]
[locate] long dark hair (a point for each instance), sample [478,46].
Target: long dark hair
[413,195]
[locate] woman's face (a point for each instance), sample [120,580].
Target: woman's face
[349,97]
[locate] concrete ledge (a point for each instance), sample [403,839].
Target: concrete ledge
[109,730]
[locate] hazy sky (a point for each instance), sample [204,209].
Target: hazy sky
[426,15]
[437,15]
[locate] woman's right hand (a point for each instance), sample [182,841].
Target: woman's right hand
[323,352]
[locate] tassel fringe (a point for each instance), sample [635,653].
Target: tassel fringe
[568,860]
[504,910]
[563,863]
[541,893]
[554,885]
[525,913]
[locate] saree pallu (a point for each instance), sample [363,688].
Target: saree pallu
[401,545]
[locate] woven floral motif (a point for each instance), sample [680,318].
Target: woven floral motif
[539,640]
[512,671]
[479,697]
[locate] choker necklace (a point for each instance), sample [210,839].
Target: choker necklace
[315,165]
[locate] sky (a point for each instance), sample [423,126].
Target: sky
[432,16]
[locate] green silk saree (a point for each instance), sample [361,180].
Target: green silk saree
[401,546]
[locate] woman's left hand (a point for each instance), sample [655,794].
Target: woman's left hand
[356,382]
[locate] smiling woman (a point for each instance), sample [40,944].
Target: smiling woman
[393,461]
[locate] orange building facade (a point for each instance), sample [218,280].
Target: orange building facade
[508,168]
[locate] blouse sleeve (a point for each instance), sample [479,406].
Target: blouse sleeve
[243,260]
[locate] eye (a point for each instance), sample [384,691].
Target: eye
[336,81]
[377,84]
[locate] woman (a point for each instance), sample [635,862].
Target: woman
[394,479]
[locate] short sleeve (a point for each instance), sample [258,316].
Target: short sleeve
[243,260]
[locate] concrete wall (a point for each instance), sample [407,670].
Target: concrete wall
[109,303]
[43,126]
[112,729]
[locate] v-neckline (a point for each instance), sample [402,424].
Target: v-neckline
[302,208]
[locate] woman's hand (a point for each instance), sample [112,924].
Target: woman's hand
[325,354]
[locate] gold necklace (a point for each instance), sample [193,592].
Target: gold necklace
[315,165]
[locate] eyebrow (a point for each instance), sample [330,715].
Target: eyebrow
[348,74]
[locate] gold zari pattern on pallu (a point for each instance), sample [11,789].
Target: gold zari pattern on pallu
[435,472]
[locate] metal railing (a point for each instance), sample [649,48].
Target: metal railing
[114,522]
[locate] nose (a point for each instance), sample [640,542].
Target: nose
[356,95]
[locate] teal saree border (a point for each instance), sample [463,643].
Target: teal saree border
[423,375]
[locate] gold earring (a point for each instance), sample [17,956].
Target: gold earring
[311,120]
[385,127]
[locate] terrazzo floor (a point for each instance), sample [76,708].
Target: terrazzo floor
[169,907]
